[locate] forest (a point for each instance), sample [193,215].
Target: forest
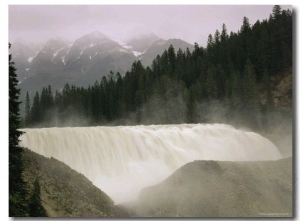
[217,84]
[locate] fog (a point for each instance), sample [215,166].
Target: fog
[170,106]
[192,23]
[124,159]
[221,189]
[125,156]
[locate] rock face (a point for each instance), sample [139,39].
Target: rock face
[221,189]
[65,192]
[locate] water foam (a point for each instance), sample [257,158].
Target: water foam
[122,160]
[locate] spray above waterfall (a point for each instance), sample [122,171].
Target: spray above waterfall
[122,160]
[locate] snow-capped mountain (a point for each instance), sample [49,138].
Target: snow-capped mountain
[21,52]
[88,59]
[84,61]
[97,54]
[48,59]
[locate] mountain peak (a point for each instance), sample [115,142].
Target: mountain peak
[95,35]
[56,40]
[92,38]
[55,43]
[148,37]
[142,42]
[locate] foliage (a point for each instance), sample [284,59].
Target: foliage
[181,86]
[36,209]
[17,186]
[18,193]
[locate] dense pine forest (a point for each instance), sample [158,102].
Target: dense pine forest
[220,83]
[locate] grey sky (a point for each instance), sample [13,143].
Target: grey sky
[192,23]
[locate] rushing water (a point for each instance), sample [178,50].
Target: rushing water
[122,160]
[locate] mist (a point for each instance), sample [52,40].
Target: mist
[124,159]
[169,105]
[221,189]
[38,23]
[195,134]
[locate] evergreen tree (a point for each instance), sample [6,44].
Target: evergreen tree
[250,97]
[17,191]
[210,41]
[27,111]
[35,112]
[235,91]
[224,35]
[211,87]
[276,11]
[36,208]
[220,72]
[172,57]
[246,25]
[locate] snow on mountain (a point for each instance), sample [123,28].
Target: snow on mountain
[31,58]
[142,43]
[137,53]
[86,60]
[63,60]
[126,46]
[81,63]
[130,49]
[22,54]
[55,53]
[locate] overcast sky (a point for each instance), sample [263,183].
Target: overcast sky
[192,23]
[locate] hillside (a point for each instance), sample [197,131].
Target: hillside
[221,189]
[65,192]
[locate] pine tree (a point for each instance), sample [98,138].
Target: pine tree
[250,96]
[17,191]
[172,58]
[211,87]
[43,104]
[246,25]
[267,84]
[35,110]
[27,111]
[276,11]
[50,99]
[218,72]
[210,41]
[36,208]
[224,35]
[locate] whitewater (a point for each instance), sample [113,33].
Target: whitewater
[122,160]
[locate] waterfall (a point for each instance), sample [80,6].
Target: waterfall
[124,159]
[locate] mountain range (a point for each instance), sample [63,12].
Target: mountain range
[83,61]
